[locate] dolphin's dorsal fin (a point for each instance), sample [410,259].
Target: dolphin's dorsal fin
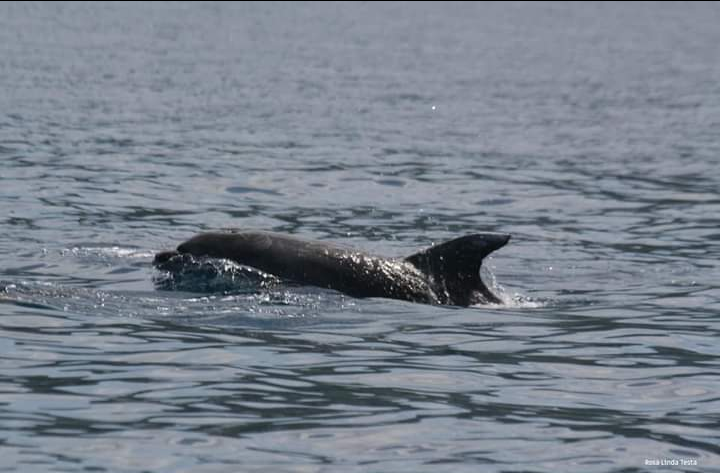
[454,266]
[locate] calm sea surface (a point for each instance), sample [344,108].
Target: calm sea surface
[590,132]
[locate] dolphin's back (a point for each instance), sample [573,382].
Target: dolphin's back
[315,263]
[443,274]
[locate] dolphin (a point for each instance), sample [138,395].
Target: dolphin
[445,274]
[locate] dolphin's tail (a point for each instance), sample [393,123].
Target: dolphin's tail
[454,267]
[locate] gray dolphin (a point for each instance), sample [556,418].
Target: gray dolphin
[448,273]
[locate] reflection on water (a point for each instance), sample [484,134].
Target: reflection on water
[586,131]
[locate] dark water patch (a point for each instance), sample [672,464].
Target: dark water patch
[251,190]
